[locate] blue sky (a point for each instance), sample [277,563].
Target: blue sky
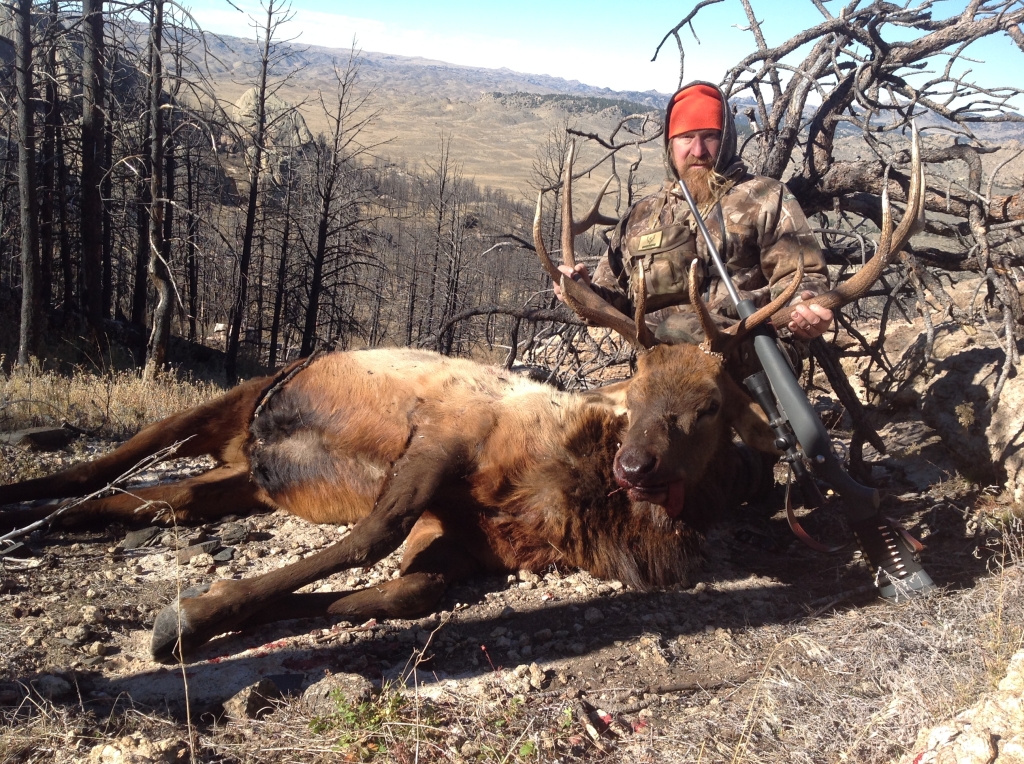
[602,43]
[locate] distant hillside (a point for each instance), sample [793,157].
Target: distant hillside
[383,69]
[498,119]
[574,104]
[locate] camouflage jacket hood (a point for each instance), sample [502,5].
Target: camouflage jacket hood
[727,163]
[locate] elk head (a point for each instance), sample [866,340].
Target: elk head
[683,407]
[682,403]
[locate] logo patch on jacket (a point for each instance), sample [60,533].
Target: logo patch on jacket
[649,241]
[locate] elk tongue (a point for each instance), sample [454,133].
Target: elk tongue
[675,499]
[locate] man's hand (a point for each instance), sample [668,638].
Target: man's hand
[809,322]
[579,273]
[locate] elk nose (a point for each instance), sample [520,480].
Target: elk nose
[632,465]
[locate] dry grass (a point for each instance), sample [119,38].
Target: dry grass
[114,404]
[401,724]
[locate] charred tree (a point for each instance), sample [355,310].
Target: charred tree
[275,16]
[336,188]
[31,308]
[282,277]
[158,268]
[48,160]
[93,150]
[142,204]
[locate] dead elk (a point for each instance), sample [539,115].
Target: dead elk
[478,469]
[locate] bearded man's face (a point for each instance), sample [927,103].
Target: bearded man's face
[693,156]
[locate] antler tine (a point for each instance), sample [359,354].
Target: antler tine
[568,235]
[588,305]
[538,241]
[913,217]
[643,332]
[888,245]
[723,340]
[712,337]
[594,217]
[738,331]
[885,230]
[592,308]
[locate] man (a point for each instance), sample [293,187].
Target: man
[765,231]
[762,235]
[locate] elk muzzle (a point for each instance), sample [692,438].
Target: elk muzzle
[638,468]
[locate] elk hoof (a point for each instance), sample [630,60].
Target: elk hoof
[173,635]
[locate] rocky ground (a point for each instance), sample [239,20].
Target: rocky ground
[779,653]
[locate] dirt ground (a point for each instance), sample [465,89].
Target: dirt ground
[779,653]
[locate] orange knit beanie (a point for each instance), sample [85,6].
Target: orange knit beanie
[698,107]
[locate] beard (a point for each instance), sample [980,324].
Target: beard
[702,180]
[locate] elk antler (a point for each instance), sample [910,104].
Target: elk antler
[588,305]
[594,217]
[889,243]
[724,340]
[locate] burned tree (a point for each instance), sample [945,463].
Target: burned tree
[256,127]
[93,150]
[337,189]
[159,270]
[30,299]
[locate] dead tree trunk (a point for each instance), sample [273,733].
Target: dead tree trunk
[316,278]
[67,266]
[191,258]
[29,338]
[282,278]
[93,86]
[106,190]
[258,138]
[159,271]
[142,205]
[48,158]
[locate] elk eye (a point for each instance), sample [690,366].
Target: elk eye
[712,409]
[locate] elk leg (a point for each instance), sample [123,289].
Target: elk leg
[432,560]
[404,597]
[221,491]
[217,427]
[226,604]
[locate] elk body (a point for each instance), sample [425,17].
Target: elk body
[480,469]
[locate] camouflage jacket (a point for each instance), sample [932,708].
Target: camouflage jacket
[765,234]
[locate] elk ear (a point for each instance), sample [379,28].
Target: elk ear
[747,418]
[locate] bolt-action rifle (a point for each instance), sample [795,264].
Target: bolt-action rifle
[802,437]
